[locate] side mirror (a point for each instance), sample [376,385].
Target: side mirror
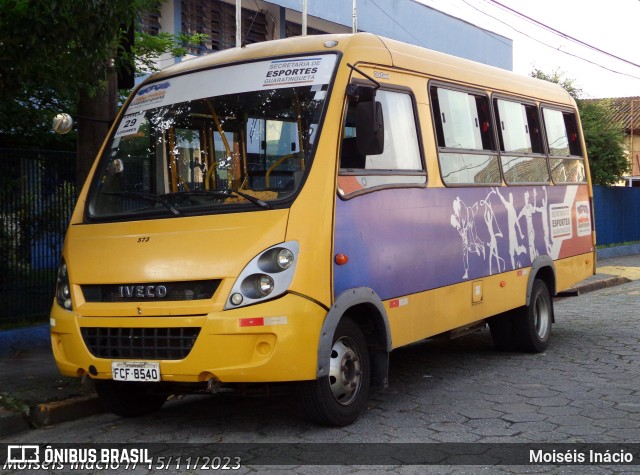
[62,123]
[370,128]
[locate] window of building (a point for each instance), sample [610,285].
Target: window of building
[217,19]
[295,29]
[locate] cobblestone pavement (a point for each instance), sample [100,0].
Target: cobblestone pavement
[584,388]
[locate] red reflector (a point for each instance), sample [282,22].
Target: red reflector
[252,322]
[341,259]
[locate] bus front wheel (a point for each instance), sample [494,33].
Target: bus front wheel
[338,398]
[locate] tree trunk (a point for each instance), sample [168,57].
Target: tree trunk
[96,113]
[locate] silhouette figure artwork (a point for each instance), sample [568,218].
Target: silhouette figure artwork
[515,248]
[492,225]
[543,210]
[527,211]
[463,219]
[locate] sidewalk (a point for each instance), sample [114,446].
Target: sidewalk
[34,394]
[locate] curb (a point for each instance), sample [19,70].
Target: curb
[50,413]
[601,284]
[617,251]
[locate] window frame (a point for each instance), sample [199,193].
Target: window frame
[494,152]
[364,172]
[545,150]
[579,138]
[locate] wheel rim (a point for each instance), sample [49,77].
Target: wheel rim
[345,371]
[542,318]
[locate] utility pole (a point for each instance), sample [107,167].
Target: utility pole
[355,17]
[635,159]
[238,23]
[304,17]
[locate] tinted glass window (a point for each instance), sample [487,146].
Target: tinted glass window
[562,132]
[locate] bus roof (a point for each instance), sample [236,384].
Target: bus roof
[372,49]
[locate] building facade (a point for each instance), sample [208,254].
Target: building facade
[404,20]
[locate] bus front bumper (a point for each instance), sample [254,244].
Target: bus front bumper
[269,342]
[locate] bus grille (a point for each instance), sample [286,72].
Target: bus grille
[170,291]
[140,343]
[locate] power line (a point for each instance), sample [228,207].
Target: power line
[556,32]
[564,35]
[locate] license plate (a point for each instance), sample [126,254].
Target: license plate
[135,371]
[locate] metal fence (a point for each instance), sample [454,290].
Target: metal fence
[617,214]
[37,195]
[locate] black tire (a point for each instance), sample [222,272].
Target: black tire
[339,398]
[501,327]
[527,328]
[130,399]
[532,323]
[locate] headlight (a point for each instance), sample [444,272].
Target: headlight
[275,260]
[257,286]
[268,275]
[284,258]
[63,288]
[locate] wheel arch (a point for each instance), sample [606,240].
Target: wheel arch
[365,308]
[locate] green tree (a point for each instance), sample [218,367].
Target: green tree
[603,136]
[147,49]
[605,142]
[63,56]
[51,53]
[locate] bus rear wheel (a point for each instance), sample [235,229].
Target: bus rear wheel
[340,397]
[532,325]
[130,399]
[527,328]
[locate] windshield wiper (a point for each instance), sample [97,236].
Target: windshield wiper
[226,194]
[145,196]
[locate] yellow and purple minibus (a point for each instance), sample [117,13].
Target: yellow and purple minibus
[294,210]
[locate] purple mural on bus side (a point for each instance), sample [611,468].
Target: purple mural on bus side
[407,240]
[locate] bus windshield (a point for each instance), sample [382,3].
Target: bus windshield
[213,141]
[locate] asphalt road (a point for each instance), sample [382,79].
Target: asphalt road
[584,389]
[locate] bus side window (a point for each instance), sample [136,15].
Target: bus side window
[523,158]
[401,149]
[462,122]
[399,164]
[566,161]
